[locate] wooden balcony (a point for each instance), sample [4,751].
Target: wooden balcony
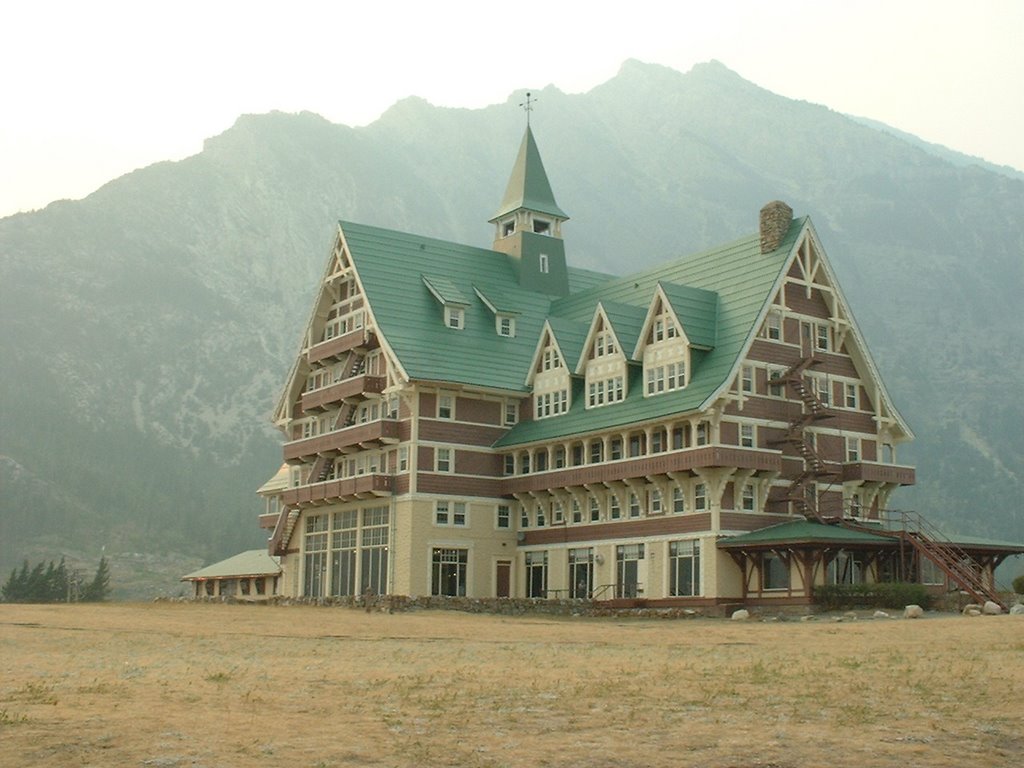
[334,349]
[358,437]
[269,521]
[333,491]
[871,472]
[685,460]
[321,399]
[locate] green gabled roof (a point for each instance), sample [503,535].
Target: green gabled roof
[444,290]
[528,186]
[255,562]
[697,310]
[571,336]
[743,279]
[627,320]
[802,531]
[391,266]
[496,300]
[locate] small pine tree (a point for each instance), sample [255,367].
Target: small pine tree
[99,588]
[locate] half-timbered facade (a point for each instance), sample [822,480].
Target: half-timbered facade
[497,423]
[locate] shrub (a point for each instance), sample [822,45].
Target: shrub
[882,595]
[1018,585]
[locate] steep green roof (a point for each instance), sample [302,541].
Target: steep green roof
[528,186]
[697,310]
[392,266]
[802,531]
[626,320]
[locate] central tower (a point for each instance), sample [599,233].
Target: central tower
[528,224]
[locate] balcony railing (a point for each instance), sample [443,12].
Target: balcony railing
[346,489]
[339,345]
[348,440]
[320,399]
[684,460]
[872,472]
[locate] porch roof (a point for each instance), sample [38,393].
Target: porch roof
[803,532]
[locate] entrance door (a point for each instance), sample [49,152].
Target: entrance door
[503,578]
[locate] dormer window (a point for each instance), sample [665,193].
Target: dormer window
[506,326]
[455,317]
[542,227]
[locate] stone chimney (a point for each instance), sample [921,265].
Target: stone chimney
[775,219]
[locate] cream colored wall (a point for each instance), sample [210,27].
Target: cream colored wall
[724,577]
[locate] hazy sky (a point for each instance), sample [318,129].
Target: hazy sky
[92,90]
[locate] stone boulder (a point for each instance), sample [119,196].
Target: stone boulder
[1017,610]
[880,615]
[971,610]
[913,612]
[992,608]
[741,615]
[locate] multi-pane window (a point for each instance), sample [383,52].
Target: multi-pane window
[595,510]
[511,413]
[445,407]
[596,452]
[537,574]
[605,391]
[665,378]
[450,513]
[614,508]
[684,568]
[774,572]
[821,338]
[604,344]
[540,517]
[510,464]
[559,457]
[315,547]
[657,441]
[615,448]
[703,430]
[577,513]
[747,378]
[524,517]
[627,569]
[374,552]
[634,505]
[506,326]
[503,517]
[550,358]
[654,503]
[455,317]
[540,460]
[850,395]
[778,388]
[443,460]
[448,572]
[823,389]
[773,326]
[344,552]
[748,500]
[853,449]
[700,497]
[403,458]
[581,573]
[551,403]
[557,513]
[747,435]
[678,500]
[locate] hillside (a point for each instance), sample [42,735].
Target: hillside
[146,330]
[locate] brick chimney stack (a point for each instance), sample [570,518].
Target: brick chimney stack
[775,219]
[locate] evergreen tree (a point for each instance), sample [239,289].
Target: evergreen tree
[99,588]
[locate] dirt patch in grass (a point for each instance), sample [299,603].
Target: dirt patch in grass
[231,685]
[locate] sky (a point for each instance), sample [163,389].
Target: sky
[93,90]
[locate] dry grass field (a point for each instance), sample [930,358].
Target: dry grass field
[228,685]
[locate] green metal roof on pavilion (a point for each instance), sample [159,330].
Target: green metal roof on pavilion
[528,186]
[802,532]
[255,562]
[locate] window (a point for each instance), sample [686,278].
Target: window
[634,505]
[445,407]
[595,510]
[524,464]
[557,513]
[551,358]
[577,513]
[823,389]
[853,449]
[450,513]
[605,391]
[443,460]
[747,435]
[678,501]
[665,378]
[511,413]
[822,337]
[596,452]
[700,497]
[855,505]
[508,228]
[540,460]
[845,568]
[654,505]
[506,326]
[657,441]
[774,375]
[524,517]
[850,395]
[773,326]
[315,547]
[627,570]
[616,448]
[403,458]
[537,574]
[541,227]
[774,572]
[559,457]
[503,517]
[930,573]
[448,572]
[581,573]
[455,317]
[543,265]
[614,508]
[702,433]
[747,378]
[748,500]
[684,568]
[373,555]
[541,518]
[510,464]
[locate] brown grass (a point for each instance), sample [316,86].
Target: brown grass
[221,685]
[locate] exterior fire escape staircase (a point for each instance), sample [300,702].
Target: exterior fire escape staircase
[929,542]
[322,467]
[801,491]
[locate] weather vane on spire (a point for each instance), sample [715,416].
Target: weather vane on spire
[528,106]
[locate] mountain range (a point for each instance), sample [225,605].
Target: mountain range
[146,330]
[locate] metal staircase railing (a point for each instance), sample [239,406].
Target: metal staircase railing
[929,542]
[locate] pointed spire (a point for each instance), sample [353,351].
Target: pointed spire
[528,186]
